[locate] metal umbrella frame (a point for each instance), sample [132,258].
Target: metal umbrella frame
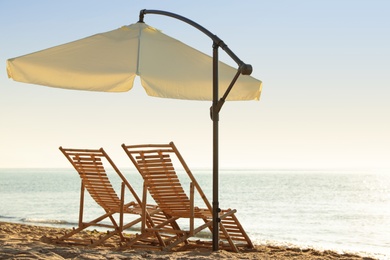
[244,69]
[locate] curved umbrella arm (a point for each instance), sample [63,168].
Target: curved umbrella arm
[245,69]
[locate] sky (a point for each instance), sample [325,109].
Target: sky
[324,65]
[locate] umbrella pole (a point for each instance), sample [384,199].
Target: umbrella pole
[215,117]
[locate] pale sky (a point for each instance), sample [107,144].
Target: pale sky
[325,67]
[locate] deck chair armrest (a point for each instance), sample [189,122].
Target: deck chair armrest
[228,212]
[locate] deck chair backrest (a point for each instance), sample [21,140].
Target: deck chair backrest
[156,167]
[89,165]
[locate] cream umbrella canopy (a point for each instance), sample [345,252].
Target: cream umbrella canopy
[167,68]
[110,61]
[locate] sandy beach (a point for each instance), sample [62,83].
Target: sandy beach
[19,241]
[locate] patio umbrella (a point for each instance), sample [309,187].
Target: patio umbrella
[167,68]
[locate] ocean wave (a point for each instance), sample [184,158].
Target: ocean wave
[1,216]
[205,235]
[46,221]
[302,246]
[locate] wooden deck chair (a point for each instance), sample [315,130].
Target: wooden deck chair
[90,164]
[154,163]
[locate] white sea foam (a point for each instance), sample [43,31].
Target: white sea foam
[45,221]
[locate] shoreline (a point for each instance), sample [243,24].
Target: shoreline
[33,242]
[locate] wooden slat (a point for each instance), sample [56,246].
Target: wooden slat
[89,166]
[153,159]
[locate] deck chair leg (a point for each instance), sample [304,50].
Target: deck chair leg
[81,209]
[144,198]
[187,235]
[83,226]
[178,241]
[122,205]
[157,234]
[118,230]
[145,233]
[250,245]
[177,227]
[229,239]
[110,234]
[192,213]
[147,218]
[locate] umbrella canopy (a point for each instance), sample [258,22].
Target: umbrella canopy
[110,61]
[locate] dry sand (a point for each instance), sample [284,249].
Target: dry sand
[31,242]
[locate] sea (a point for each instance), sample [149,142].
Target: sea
[344,210]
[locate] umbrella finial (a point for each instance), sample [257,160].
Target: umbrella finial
[141,16]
